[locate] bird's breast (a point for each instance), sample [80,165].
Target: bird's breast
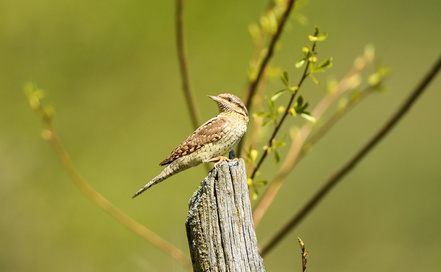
[232,134]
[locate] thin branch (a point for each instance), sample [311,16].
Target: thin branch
[304,254]
[252,86]
[259,41]
[295,154]
[298,145]
[334,179]
[192,109]
[285,114]
[255,126]
[50,135]
[253,83]
[183,66]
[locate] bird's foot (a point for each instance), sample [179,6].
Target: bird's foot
[219,160]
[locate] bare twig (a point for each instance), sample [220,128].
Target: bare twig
[183,66]
[259,41]
[304,254]
[192,109]
[50,135]
[334,179]
[256,125]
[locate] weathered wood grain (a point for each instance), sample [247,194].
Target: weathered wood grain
[219,223]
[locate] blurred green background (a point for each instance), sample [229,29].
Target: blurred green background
[110,70]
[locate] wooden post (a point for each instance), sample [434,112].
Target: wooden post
[219,223]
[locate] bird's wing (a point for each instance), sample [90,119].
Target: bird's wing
[209,132]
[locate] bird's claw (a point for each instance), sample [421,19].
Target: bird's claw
[219,160]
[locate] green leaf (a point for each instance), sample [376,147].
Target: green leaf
[267,122]
[269,22]
[261,114]
[312,59]
[35,95]
[318,37]
[271,104]
[314,79]
[277,94]
[267,148]
[302,108]
[249,181]
[321,37]
[280,109]
[34,101]
[308,117]
[49,112]
[306,51]
[378,76]
[285,78]
[276,156]
[300,62]
[253,154]
[252,72]
[280,142]
[260,183]
[383,70]
[300,101]
[312,38]
[294,89]
[250,159]
[292,111]
[325,64]
[255,195]
[374,79]
[254,31]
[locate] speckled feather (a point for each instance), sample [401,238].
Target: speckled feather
[214,138]
[210,132]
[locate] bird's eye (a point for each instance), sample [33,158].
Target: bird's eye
[229,99]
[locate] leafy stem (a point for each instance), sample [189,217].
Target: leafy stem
[254,82]
[294,91]
[298,146]
[346,168]
[252,87]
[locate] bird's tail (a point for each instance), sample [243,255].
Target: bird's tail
[169,171]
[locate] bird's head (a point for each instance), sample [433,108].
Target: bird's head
[229,103]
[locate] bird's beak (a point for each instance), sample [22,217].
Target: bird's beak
[219,102]
[215,98]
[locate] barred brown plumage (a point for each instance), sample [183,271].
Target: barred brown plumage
[214,138]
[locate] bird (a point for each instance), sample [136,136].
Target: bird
[209,142]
